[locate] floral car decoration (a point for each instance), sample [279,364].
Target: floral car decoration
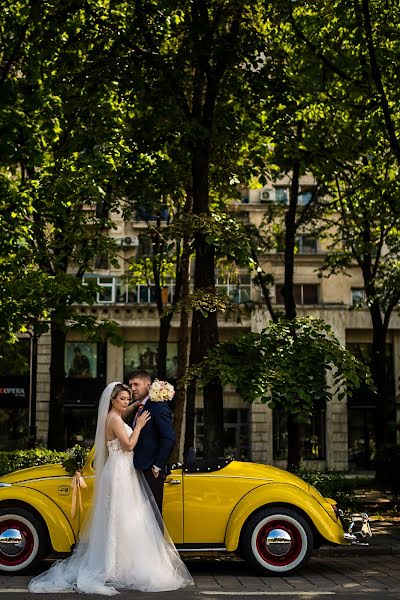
[271,518]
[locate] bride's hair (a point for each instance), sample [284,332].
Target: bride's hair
[120,387]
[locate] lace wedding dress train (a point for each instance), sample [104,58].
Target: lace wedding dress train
[125,545]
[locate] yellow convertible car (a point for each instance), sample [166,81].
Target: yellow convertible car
[271,518]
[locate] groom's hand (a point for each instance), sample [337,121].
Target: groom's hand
[155,470]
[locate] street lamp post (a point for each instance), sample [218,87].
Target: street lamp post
[32,389]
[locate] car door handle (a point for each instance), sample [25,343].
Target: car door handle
[174,481]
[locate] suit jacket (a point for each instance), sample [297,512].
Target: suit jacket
[156,439]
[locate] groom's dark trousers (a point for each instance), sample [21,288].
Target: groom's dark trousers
[156,484]
[154,446]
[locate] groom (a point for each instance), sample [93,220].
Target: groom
[157,437]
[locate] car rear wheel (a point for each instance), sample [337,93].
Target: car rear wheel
[277,541]
[23,539]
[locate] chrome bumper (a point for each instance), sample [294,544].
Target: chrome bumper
[359,531]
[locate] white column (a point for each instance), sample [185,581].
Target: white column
[43,388]
[260,427]
[336,410]
[115,363]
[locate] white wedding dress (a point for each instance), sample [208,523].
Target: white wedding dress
[125,545]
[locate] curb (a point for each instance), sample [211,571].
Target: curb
[381,550]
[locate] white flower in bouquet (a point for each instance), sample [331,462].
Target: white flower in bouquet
[161,390]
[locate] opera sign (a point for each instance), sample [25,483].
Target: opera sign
[14,392]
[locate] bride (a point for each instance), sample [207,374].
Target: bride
[124,544]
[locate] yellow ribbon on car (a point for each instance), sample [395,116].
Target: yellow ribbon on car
[77,483]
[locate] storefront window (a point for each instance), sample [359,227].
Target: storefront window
[81,360]
[236,432]
[144,356]
[85,369]
[362,406]
[80,425]
[14,395]
[312,435]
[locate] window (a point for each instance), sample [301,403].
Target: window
[106,294]
[144,355]
[238,288]
[101,262]
[236,432]
[147,213]
[312,434]
[15,394]
[282,195]
[145,246]
[81,360]
[362,406]
[304,294]
[243,216]
[305,197]
[357,296]
[102,209]
[307,244]
[85,368]
[117,290]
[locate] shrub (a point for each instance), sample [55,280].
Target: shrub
[331,485]
[13,460]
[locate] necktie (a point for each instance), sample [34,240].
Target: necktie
[139,411]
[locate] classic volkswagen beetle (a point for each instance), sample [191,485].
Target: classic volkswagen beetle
[270,517]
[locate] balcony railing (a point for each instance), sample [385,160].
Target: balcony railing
[114,290]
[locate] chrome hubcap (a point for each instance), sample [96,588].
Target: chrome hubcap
[278,542]
[12,542]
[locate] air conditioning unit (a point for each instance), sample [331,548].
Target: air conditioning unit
[128,241]
[267,195]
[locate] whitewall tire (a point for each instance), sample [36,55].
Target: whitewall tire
[277,541]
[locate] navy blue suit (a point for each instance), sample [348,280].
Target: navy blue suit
[156,439]
[154,446]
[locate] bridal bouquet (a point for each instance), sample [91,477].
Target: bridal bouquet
[161,390]
[74,459]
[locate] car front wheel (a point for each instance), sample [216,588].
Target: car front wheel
[23,539]
[277,541]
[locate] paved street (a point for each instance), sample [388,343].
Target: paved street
[350,577]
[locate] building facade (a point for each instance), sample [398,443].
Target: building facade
[340,436]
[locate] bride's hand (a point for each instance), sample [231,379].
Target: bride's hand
[142,419]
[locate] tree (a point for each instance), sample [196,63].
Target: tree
[191,56]
[298,114]
[366,234]
[286,368]
[59,154]
[358,44]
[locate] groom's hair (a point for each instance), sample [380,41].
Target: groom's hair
[140,374]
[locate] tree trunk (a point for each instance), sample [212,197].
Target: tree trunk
[204,280]
[183,347]
[290,243]
[56,435]
[165,326]
[380,376]
[293,425]
[294,429]
[191,389]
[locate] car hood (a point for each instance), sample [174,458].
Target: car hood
[32,473]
